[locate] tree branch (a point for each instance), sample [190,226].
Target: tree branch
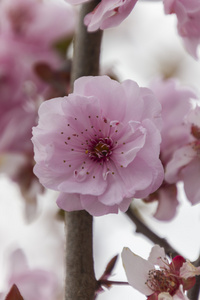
[146,231]
[86,47]
[80,279]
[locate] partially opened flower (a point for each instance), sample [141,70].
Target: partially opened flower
[188,15]
[108,13]
[157,278]
[100,145]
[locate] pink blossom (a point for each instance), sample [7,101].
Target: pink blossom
[176,102]
[102,147]
[107,14]
[33,284]
[32,28]
[39,23]
[156,277]
[184,165]
[28,31]
[166,196]
[188,15]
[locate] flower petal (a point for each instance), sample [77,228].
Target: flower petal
[136,269]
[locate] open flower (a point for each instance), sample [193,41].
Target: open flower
[100,145]
[157,278]
[188,15]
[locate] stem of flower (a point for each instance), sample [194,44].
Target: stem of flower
[110,282]
[80,279]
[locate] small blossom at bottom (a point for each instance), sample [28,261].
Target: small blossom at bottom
[156,277]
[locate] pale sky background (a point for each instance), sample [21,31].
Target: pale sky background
[144,46]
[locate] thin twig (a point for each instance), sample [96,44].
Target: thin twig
[146,231]
[111,282]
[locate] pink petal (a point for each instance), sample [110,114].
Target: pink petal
[96,208]
[190,177]
[157,256]
[136,269]
[180,159]
[167,203]
[69,202]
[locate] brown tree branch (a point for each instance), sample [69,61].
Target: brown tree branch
[86,47]
[80,279]
[141,227]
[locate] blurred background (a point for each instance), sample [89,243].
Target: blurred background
[145,46]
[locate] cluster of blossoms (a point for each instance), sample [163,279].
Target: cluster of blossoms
[29,30]
[102,148]
[157,278]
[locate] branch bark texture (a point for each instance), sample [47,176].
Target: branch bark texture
[86,47]
[80,279]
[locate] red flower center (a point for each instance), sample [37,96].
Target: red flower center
[163,281]
[101,149]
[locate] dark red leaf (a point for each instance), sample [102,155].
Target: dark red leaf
[109,268]
[14,294]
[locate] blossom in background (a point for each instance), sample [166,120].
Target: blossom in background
[100,145]
[29,30]
[33,284]
[185,165]
[157,278]
[107,14]
[188,15]
[176,102]
[32,28]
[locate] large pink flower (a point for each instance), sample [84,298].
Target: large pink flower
[108,13]
[156,277]
[100,145]
[188,15]
[185,165]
